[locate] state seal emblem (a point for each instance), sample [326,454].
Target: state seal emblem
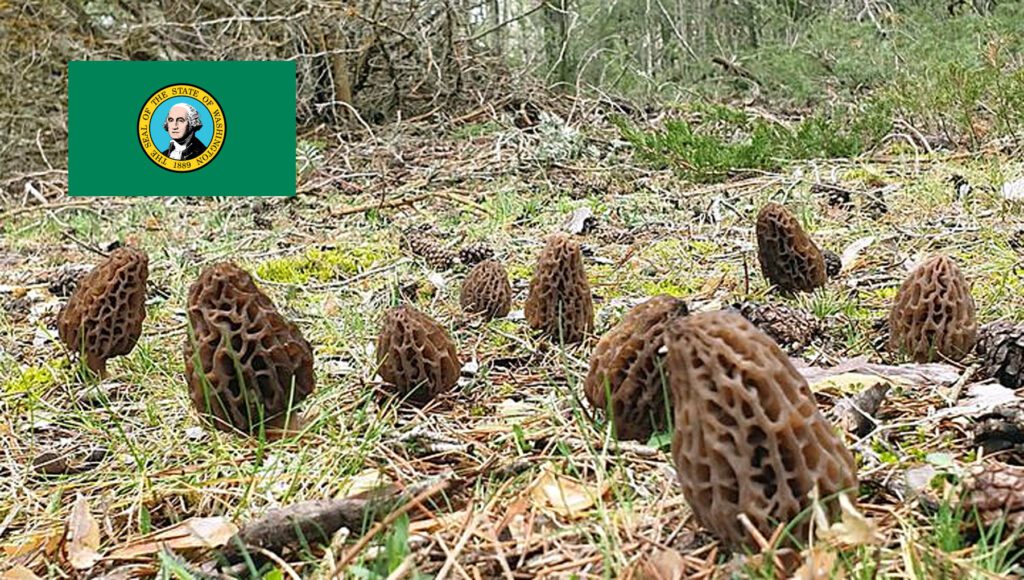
[182,128]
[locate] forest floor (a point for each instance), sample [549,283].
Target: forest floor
[522,475]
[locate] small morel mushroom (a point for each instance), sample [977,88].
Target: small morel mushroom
[103,317]
[559,302]
[749,438]
[247,366]
[416,355]
[1001,346]
[487,290]
[789,258]
[933,315]
[628,365]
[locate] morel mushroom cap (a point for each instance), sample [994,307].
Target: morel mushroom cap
[559,302]
[486,289]
[415,354]
[628,365]
[749,438]
[246,365]
[103,317]
[789,258]
[933,313]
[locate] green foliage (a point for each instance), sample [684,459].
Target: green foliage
[320,265]
[34,380]
[393,551]
[727,141]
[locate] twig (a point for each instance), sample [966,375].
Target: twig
[501,25]
[414,502]
[50,207]
[381,204]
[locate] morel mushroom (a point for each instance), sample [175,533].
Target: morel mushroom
[749,438]
[103,317]
[933,315]
[789,258]
[416,355]
[247,366]
[486,290]
[628,367]
[559,302]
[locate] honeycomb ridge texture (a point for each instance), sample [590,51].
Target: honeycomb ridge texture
[933,315]
[749,437]
[559,303]
[246,353]
[104,315]
[789,258]
[628,365]
[415,354]
[487,290]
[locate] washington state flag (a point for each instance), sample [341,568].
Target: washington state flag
[181,128]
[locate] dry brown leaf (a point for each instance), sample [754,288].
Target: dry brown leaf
[818,566]
[189,534]
[363,481]
[49,541]
[661,565]
[563,495]
[18,573]
[852,530]
[83,539]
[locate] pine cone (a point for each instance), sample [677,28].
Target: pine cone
[423,245]
[1001,346]
[791,328]
[833,263]
[996,491]
[472,254]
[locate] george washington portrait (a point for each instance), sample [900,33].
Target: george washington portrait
[182,123]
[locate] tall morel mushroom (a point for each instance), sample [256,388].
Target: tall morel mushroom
[487,290]
[628,366]
[789,258]
[749,438]
[415,354]
[559,302]
[247,366]
[933,314]
[103,317]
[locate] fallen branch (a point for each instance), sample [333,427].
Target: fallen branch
[361,544]
[381,204]
[735,69]
[316,521]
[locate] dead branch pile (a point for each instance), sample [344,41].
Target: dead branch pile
[365,61]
